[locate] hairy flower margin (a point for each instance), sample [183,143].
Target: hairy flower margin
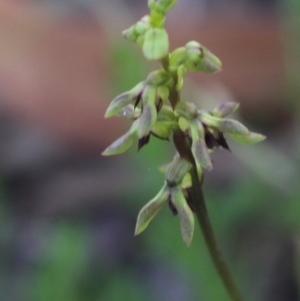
[148,106]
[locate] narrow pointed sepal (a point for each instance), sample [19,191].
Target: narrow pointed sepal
[225,125]
[225,108]
[156,44]
[185,214]
[148,212]
[231,126]
[176,171]
[201,154]
[199,148]
[123,143]
[123,100]
[250,138]
[149,112]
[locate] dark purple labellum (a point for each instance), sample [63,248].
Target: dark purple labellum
[210,140]
[159,105]
[222,142]
[189,199]
[143,141]
[138,99]
[172,208]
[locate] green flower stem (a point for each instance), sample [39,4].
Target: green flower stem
[183,147]
[215,253]
[174,97]
[165,63]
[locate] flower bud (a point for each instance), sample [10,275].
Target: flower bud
[158,78]
[156,44]
[225,109]
[123,143]
[157,19]
[201,59]
[142,25]
[151,209]
[162,6]
[186,109]
[123,100]
[185,214]
[136,32]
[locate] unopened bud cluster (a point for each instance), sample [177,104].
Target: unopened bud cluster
[152,113]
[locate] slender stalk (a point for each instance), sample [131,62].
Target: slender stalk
[215,253]
[197,198]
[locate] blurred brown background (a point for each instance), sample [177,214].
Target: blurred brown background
[67,214]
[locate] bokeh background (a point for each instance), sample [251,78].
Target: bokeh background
[67,215]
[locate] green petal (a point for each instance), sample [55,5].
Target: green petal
[181,72]
[149,112]
[185,215]
[177,59]
[123,143]
[186,181]
[156,44]
[163,93]
[199,149]
[183,124]
[151,209]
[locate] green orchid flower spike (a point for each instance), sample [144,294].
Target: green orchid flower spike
[155,108]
